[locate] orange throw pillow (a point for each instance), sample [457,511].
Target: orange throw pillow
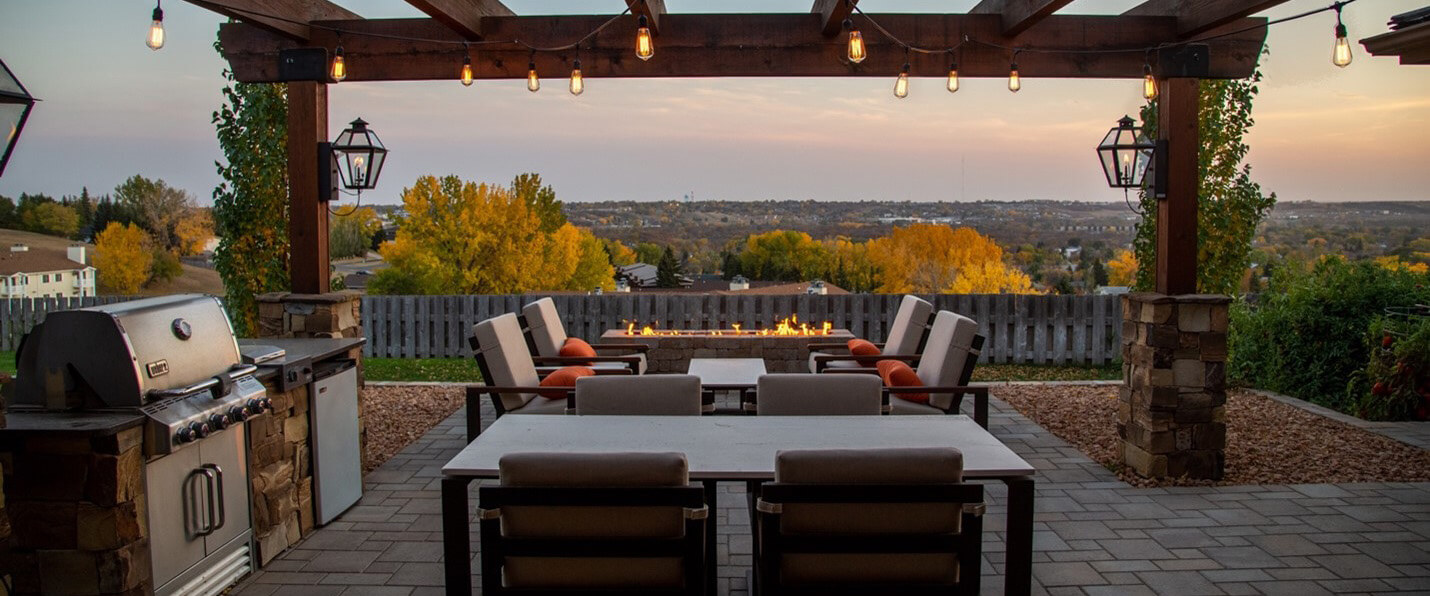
[898,374]
[863,347]
[576,347]
[563,377]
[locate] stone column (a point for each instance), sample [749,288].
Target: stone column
[334,314]
[1172,411]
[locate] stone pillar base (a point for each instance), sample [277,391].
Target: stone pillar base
[335,314]
[1172,410]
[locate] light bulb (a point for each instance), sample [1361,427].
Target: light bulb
[533,83]
[857,51]
[1342,55]
[1014,81]
[645,48]
[953,78]
[340,66]
[467,72]
[359,170]
[578,84]
[1149,84]
[901,85]
[156,30]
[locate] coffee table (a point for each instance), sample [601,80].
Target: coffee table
[735,448]
[728,374]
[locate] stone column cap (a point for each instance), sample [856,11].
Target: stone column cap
[1158,298]
[337,297]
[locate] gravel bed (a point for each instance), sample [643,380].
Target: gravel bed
[1268,442]
[396,416]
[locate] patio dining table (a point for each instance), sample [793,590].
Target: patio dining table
[734,448]
[740,375]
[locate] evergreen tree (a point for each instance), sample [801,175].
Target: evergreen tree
[668,272]
[1099,273]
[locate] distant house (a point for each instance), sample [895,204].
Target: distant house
[642,276]
[26,273]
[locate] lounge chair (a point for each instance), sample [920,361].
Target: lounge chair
[803,394]
[644,395]
[881,521]
[545,334]
[593,523]
[905,340]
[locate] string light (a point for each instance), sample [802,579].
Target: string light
[901,85]
[1341,56]
[578,84]
[533,83]
[953,78]
[339,70]
[156,29]
[857,51]
[1015,82]
[467,70]
[645,48]
[1149,83]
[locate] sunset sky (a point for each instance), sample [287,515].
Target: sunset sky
[113,108]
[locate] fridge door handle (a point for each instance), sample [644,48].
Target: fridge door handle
[212,510]
[217,504]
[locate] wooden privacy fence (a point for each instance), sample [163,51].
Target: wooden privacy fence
[18,315]
[1018,328]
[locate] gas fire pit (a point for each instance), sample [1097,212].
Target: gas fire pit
[782,347]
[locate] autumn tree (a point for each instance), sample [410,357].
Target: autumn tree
[541,200]
[50,218]
[619,254]
[156,207]
[350,232]
[123,254]
[1122,269]
[648,252]
[1229,204]
[251,204]
[930,258]
[193,232]
[783,255]
[850,267]
[593,267]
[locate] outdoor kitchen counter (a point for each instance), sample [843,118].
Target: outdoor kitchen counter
[28,421]
[300,349]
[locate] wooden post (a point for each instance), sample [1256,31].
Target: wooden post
[307,214]
[1177,123]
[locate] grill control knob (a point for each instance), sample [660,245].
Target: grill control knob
[261,404]
[238,413]
[184,435]
[199,429]
[218,421]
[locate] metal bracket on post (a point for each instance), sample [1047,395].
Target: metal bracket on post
[303,64]
[1192,61]
[327,184]
[1156,178]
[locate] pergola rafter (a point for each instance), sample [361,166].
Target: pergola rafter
[1019,15]
[463,16]
[651,10]
[832,14]
[285,18]
[1195,17]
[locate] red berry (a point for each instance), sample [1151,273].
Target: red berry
[1386,342]
[1381,389]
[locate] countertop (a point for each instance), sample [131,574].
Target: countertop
[300,351]
[25,420]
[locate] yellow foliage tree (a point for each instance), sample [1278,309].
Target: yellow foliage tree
[193,231]
[930,258]
[1394,263]
[1122,269]
[123,255]
[592,266]
[620,254]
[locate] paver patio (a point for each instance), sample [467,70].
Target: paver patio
[1094,534]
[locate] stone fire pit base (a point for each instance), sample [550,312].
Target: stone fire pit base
[672,353]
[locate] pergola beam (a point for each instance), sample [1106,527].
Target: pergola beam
[1411,44]
[832,14]
[1195,17]
[731,45]
[1019,15]
[288,18]
[651,10]
[463,16]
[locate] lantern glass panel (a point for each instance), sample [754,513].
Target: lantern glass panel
[10,115]
[9,84]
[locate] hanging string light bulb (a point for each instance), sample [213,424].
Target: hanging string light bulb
[467,69]
[953,77]
[339,69]
[901,85]
[533,83]
[156,28]
[1149,83]
[578,83]
[645,47]
[1015,82]
[1341,56]
[857,51]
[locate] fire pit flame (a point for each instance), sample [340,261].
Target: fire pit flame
[789,326]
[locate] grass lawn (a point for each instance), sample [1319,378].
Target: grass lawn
[7,363]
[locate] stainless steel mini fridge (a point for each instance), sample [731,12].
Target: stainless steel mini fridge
[337,457]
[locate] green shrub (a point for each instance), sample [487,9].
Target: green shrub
[1305,337]
[1396,383]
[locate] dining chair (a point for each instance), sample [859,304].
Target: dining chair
[546,334]
[868,521]
[509,375]
[907,333]
[643,395]
[804,394]
[593,523]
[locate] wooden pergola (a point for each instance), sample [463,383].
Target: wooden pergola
[751,45]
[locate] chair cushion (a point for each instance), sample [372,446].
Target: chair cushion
[563,377]
[908,327]
[501,346]
[575,347]
[898,374]
[862,347]
[901,406]
[831,363]
[544,324]
[645,395]
[950,344]
[643,468]
[608,573]
[542,406]
[798,394]
[917,465]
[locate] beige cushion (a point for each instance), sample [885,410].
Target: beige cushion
[542,405]
[908,326]
[948,347]
[920,465]
[500,343]
[646,395]
[899,406]
[640,366]
[545,326]
[818,395]
[832,363]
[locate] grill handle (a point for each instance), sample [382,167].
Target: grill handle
[236,371]
[216,505]
[212,516]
